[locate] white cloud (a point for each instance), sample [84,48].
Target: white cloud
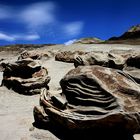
[70,42]
[38,14]
[6,37]
[32,37]
[28,37]
[10,38]
[73,28]
[39,18]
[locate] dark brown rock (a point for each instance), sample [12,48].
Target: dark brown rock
[97,98]
[113,59]
[23,68]
[26,76]
[25,54]
[28,86]
[128,61]
[132,33]
[91,58]
[133,67]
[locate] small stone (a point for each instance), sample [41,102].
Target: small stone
[32,128]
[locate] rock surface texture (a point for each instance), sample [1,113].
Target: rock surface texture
[67,56]
[25,76]
[93,97]
[25,54]
[127,61]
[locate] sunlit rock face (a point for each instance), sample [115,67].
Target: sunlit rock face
[67,56]
[25,54]
[113,59]
[88,40]
[127,61]
[93,97]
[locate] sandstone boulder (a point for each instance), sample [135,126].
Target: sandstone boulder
[25,76]
[113,59]
[25,54]
[91,58]
[93,97]
[127,61]
[67,56]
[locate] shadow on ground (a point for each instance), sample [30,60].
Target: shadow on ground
[98,134]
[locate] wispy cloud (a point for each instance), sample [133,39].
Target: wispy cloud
[11,38]
[38,14]
[39,18]
[32,37]
[73,28]
[28,37]
[69,42]
[6,37]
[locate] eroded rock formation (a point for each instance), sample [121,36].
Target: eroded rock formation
[127,61]
[25,54]
[67,56]
[25,76]
[93,97]
[113,59]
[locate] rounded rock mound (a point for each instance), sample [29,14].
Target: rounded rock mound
[93,97]
[25,76]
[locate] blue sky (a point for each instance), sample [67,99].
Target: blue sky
[59,21]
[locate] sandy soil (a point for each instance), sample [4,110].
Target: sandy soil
[16,111]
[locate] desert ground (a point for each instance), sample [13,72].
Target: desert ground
[16,111]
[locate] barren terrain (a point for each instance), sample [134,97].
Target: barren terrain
[16,111]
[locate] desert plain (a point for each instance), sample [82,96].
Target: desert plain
[16,110]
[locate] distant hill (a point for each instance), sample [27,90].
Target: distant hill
[20,47]
[89,40]
[132,36]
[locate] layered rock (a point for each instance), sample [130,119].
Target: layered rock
[93,97]
[127,61]
[67,56]
[91,58]
[112,59]
[25,76]
[36,55]
[133,67]
[25,54]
